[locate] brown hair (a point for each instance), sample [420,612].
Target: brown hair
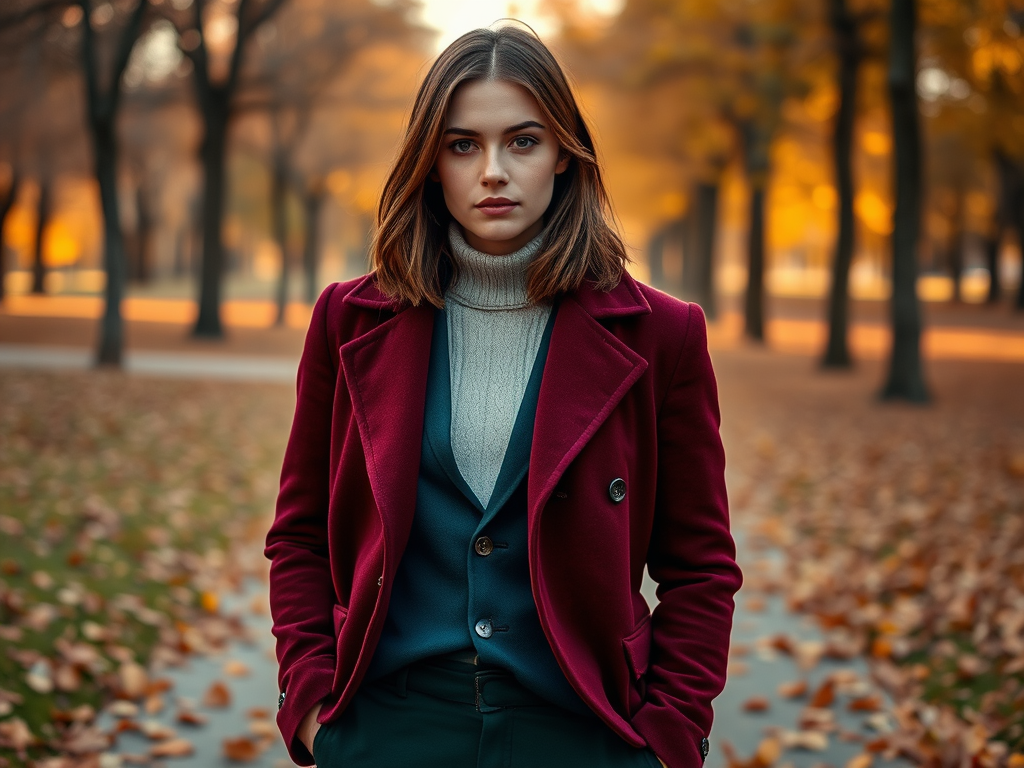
[410,245]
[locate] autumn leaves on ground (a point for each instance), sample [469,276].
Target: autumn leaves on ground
[129,507]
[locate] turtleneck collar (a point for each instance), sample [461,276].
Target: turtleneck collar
[490,282]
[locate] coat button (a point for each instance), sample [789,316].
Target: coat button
[617,490]
[484,628]
[484,546]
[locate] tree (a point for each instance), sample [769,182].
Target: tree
[103,100]
[215,37]
[6,203]
[101,71]
[849,49]
[906,378]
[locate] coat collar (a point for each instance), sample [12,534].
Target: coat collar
[624,300]
[587,373]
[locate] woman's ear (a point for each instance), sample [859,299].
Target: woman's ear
[564,158]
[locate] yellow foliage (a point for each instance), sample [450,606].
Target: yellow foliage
[824,196]
[874,212]
[876,143]
[60,247]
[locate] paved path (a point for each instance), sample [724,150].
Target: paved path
[176,364]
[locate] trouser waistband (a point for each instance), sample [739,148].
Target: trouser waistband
[487,688]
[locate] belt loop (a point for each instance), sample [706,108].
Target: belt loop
[402,682]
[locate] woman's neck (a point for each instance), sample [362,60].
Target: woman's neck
[486,281]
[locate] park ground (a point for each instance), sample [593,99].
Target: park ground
[882,616]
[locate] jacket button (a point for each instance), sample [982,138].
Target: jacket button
[704,749]
[617,490]
[484,628]
[484,546]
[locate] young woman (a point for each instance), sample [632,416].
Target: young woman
[496,431]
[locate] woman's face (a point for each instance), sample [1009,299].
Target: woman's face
[497,164]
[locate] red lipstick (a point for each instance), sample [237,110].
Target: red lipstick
[496,206]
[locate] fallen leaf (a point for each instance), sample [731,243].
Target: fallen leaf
[812,741]
[122,708]
[265,729]
[793,690]
[825,695]
[863,760]
[756,704]
[132,680]
[258,713]
[242,749]
[189,717]
[154,704]
[172,748]
[156,731]
[871,703]
[234,668]
[217,695]
[15,734]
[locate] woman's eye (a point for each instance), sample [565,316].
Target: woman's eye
[523,142]
[462,147]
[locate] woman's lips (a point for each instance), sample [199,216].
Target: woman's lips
[496,207]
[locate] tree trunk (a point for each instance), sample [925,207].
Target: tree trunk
[906,378]
[754,305]
[955,248]
[142,267]
[278,213]
[6,203]
[311,245]
[837,352]
[111,346]
[208,323]
[992,262]
[705,227]
[43,211]
[1018,224]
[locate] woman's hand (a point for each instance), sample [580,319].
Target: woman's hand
[308,728]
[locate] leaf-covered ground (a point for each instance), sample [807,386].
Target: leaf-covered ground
[902,533]
[128,506]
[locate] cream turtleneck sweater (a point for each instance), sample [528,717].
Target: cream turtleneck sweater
[494,333]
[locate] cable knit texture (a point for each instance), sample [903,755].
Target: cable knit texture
[494,333]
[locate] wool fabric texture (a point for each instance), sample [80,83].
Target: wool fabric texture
[494,332]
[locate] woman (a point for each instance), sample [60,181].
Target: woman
[495,432]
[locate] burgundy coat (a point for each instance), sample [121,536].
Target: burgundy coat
[628,392]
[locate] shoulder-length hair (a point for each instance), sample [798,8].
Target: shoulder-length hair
[410,246]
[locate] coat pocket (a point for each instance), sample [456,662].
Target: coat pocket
[637,648]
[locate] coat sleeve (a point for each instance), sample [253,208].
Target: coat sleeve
[301,592]
[692,557]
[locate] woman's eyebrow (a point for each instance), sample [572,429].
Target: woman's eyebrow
[510,129]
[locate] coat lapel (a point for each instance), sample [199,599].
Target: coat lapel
[386,373]
[588,372]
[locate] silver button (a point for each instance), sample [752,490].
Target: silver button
[484,546]
[617,490]
[484,628]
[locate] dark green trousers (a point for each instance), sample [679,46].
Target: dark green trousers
[451,714]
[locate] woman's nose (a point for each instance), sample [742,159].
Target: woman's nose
[494,172]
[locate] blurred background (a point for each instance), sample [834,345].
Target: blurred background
[838,183]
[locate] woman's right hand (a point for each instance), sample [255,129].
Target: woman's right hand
[308,728]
